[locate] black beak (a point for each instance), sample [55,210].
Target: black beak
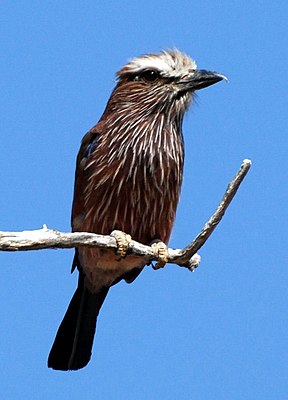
[200,79]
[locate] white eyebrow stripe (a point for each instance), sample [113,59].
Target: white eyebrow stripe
[150,63]
[171,63]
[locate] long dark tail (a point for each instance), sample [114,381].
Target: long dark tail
[72,346]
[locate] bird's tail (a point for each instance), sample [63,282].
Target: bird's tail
[72,346]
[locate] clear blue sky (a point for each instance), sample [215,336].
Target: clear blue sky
[220,333]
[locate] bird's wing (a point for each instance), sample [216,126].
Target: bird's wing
[88,145]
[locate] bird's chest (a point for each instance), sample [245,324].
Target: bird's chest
[136,192]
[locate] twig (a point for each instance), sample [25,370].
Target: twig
[209,227]
[187,257]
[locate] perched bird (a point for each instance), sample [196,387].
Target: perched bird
[128,178]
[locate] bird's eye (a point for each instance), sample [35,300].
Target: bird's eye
[150,75]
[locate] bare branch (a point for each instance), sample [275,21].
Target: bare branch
[209,227]
[187,257]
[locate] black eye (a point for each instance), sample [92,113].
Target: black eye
[150,75]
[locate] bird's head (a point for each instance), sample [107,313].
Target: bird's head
[162,82]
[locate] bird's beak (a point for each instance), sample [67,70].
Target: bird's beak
[200,79]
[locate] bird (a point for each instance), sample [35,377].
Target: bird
[128,178]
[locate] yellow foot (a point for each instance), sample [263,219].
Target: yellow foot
[123,240]
[160,250]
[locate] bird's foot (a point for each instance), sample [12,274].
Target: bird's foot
[123,240]
[160,250]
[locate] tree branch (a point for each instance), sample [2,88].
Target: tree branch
[187,257]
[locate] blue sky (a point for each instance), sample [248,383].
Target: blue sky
[219,333]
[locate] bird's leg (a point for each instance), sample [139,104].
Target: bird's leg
[123,240]
[160,250]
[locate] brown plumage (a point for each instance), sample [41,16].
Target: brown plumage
[128,177]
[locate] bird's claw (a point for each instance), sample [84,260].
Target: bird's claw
[123,240]
[160,250]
